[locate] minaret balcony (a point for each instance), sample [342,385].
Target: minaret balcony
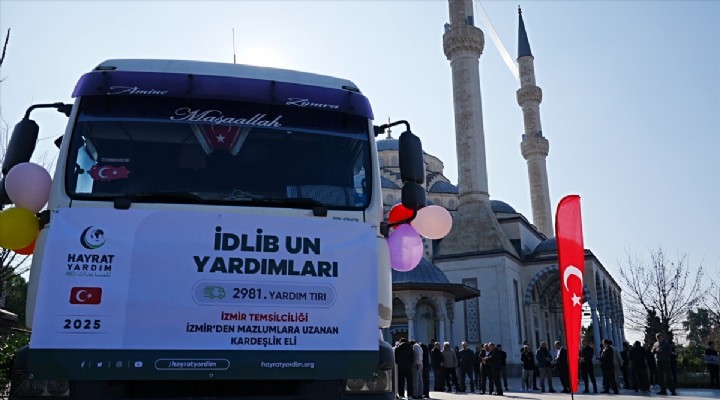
[529,95]
[533,146]
[463,39]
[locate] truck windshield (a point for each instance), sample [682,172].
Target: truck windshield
[218,152]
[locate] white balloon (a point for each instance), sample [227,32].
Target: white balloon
[432,222]
[28,186]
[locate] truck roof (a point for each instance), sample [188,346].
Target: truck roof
[229,70]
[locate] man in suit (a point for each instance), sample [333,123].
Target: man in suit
[494,359]
[607,365]
[404,358]
[503,365]
[561,363]
[587,353]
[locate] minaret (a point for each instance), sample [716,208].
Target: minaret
[534,146]
[475,228]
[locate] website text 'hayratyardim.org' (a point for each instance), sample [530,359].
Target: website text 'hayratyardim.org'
[294,364]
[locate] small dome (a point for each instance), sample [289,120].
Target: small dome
[547,245]
[425,272]
[388,184]
[443,187]
[498,206]
[388,144]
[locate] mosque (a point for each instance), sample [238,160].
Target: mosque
[494,277]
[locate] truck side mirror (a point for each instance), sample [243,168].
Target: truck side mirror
[412,171]
[412,165]
[21,145]
[413,196]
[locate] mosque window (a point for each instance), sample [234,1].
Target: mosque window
[381,161]
[452,204]
[472,314]
[389,199]
[394,161]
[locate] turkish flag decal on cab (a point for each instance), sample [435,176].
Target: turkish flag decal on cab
[85,295]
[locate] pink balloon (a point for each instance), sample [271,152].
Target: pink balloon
[28,186]
[406,248]
[433,222]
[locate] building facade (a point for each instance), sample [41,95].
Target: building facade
[502,270]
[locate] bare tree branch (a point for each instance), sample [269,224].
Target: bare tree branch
[7,39]
[661,285]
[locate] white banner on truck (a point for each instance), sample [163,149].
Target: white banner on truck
[175,280]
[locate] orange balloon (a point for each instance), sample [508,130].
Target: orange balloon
[27,250]
[399,213]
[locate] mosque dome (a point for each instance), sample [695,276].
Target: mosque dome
[425,272]
[443,187]
[388,144]
[427,277]
[547,245]
[388,184]
[498,206]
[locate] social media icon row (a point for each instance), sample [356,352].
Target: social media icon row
[111,364]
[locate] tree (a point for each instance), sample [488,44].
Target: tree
[713,307]
[653,326]
[700,325]
[11,263]
[15,298]
[662,288]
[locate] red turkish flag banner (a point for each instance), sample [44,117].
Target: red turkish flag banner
[571,257]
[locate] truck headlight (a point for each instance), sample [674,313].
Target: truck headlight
[380,382]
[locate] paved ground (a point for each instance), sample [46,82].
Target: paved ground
[514,393]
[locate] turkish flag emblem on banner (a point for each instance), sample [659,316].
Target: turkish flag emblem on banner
[571,257]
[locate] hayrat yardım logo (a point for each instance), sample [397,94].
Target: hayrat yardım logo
[92,263]
[92,238]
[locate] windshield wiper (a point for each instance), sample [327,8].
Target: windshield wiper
[124,201]
[319,209]
[300,202]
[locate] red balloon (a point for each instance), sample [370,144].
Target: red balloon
[27,250]
[398,213]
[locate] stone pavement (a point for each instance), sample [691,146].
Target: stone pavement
[515,393]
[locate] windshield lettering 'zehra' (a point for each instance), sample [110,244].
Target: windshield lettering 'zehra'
[217,117]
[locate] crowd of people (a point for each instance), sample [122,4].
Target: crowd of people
[462,370]
[455,369]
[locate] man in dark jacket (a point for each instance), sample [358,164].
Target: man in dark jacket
[587,354]
[503,365]
[485,370]
[426,370]
[436,362]
[544,364]
[476,366]
[638,365]
[663,355]
[652,366]
[626,368]
[527,359]
[713,365]
[607,365]
[465,360]
[563,368]
[493,359]
[404,358]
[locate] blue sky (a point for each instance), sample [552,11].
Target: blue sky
[631,102]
